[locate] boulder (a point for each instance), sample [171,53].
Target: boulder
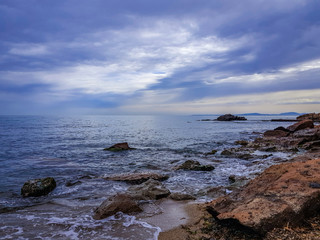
[181,196]
[119,147]
[38,187]
[137,178]
[149,190]
[312,116]
[241,142]
[283,194]
[301,125]
[118,203]
[195,166]
[275,133]
[230,117]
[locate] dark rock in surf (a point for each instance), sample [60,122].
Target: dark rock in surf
[137,178]
[38,187]
[118,203]
[119,147]
[230,117]
[195,166]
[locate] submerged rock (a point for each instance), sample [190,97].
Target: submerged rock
[119,147]
[137,178]
[149,190]
[118,203]
[38,187]
[195,166]
[230,117]
[283,194]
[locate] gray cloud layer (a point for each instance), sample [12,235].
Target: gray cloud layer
[121,54]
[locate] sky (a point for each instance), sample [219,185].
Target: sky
[159,57]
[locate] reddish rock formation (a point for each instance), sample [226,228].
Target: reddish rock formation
[301,125]
[312,116]
[118,203]
[283,194]
[275,133]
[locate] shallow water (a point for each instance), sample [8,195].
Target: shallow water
[71,149]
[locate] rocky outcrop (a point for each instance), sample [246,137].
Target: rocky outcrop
[275,133]
[230,117]
[118,203]
[311,116]
[283,194]
[149,190]
[195,166]
[119,147]
[301,125]
[137,178]
[38,187]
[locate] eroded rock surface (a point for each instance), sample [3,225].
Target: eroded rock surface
[283,194]
[118,203]
[149,190]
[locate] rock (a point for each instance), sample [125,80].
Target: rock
[301,125]
[283,194]
[195,166]
[149,190]
[119,147]
[38,187]
[241,142]
[230,117]
[181,196]
[211,153]
[275,133]
[227,152]
[118,203]
[137,178]
[282,129]
[284,120]
[312,116]
[72,183]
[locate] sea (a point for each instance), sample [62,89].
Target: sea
[70,149]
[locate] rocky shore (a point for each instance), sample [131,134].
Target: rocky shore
[283,202]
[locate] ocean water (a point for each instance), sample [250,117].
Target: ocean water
[71,149]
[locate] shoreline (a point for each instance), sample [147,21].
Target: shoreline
[203,225]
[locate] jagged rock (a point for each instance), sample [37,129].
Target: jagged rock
[194,166]
[181,196]
[230,117]
[312,116]
[119,147]
[137,178]
[149,190]
[301,125]
[281,195]
[38,187]
[118,203]
[275,133]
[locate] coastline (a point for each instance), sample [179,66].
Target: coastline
[203,225]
